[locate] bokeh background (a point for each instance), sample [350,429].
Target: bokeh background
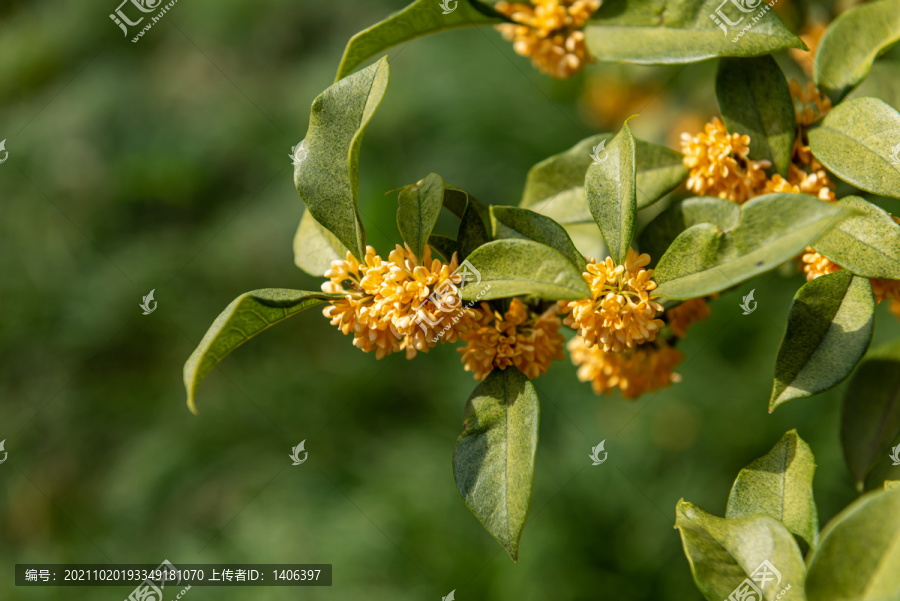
[164,165]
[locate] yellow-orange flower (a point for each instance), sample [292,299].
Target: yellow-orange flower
[396,304]
[550,33]
[621,313]
[816,265]
[520,337]
[682,317]
[634,372]
[809,104]
[719,164]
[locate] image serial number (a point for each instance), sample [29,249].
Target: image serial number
[296,574]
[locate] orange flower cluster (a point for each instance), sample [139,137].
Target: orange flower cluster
[620,313]
[520,337]
[550,33]
[634,372]
[682,317]
[389,305]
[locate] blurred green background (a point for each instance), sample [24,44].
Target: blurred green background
[164,165]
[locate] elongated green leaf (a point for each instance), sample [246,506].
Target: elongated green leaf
[859,141]
[828,332]
[774,228]
[755,100]
[422,17]
[315,247]
[443,245]
[779,485]
[513,267]
[328,178]
[868,243]
[511,222]
[493,462]
[852,43]
[723,553]
[871,418]
[418,211]
[658,170]
[610,189]
[859,552]
[685,32]
[668,225]
[246,316]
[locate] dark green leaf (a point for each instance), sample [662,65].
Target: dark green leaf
[443,245]
[474,219]
[659,234]
[328,178]
[755,100]
[871,419]
[859,552]
[493,462]
[828,332]
[610,189]
[685,32]
[859,141]
[418,211]
[723,553]
[513,267]
[779,485]
[511,222]
[774,228]
[852,43]
[867,244]
[246,316]
[315,247]
[422,17]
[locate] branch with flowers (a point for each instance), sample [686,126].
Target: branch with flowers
[763,179]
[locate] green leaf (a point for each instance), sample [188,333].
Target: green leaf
[857,141]
[422,17]
[871,418]
[246,316]
[779,485]
[828,332]
[514,267]
[868,243]
[852,43]
[684,32]
[443,245]
[755,100]
[659,234]
[891,484]
[659,170]
[859,552]
[315,247]
[883,83]
[723,553]
[511,222]
[328,178]
[774,228]
[493,461]
[420,206]
[610,189]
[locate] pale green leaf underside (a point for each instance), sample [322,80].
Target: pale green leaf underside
[512,222]
[828,332]
[668,225]
[852,43]
[773,229]
[867,244]
[779,485]
[493,461]
[858,142]
[246,316]
[315,247]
